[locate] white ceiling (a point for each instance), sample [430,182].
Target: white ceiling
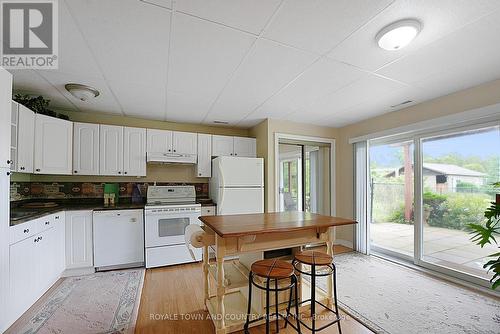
[241,61]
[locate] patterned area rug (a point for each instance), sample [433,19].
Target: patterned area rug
[390,298]
[104,302]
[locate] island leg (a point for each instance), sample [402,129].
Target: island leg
[329,287]
[206,291]
[221,312]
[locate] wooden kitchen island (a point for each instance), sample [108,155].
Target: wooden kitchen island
[248,236]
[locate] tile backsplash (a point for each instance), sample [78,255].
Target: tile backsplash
[66,190]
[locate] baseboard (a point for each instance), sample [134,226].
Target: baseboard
[78,272]
[345,243]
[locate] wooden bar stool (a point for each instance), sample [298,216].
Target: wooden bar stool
[273,270]
[321,265]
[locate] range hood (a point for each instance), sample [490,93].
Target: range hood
[171,158]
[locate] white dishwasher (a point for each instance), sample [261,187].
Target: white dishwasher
[118,239]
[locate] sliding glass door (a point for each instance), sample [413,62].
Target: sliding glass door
[304,177]
[424,190]
[458,170]
[391,198]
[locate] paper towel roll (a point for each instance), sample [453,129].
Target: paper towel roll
[193,236]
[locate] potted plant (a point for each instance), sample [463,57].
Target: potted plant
[37,104]
[485,234]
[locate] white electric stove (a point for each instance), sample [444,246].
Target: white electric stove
[169,210]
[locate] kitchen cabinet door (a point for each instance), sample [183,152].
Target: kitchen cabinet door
[204,164]
[110,150]
[5,113]
[14,120]
[46,255]
[53,145]
[25,139]
[159,141]
[23,273]
[85,149]
[245,147]
[222,146]
[185,143]
[79,239]
[134,151]
[60,226]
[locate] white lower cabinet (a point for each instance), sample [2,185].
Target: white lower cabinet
[79,251]
[35,261]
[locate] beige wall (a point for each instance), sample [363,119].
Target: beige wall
[265,131]
[159,173]
[468,99]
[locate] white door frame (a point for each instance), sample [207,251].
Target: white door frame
[286,136]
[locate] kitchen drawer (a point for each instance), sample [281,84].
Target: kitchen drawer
[24,230]
[49,221]
[208,210]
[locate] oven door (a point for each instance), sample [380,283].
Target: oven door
[164,229]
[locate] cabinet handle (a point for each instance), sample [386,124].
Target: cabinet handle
[119,172]
[36,240]
[9,162]
[199,174]
[8,173]
[40,238]
[175,150]
[236,154]
[75,171]
[47,223]
[230,154]
[37,170]
[170,150]
[57,217]
[125,173]
[27,230]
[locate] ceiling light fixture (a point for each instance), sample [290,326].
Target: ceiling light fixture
[398,34]
[82,92]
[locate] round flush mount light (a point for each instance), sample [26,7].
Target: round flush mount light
[82,92]
[398,34]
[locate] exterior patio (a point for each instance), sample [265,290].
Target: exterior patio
[445,247]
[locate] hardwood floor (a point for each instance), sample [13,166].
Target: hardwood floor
[172,302]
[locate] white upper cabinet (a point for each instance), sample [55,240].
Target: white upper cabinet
[222,146]
[53,145]
[159,141]
[25,139]
[110,150]
[5,117]
[245,147]
[204,165]
[184,143]
[134,151]
[164,141]
[85,149]
[14,120]
[233,146]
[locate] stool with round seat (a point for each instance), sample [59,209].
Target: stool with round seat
[321,265]
[273,270]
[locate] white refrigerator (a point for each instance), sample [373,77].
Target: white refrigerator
[237,185]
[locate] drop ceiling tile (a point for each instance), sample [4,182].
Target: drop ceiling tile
[74,55]
[247,15]
[438,18]
[269,67]
[105,102]
[129,38]
[468,54]
[184,107]
[323,77]
[140,100]
[159,3]
[369,88]
[321,24]
[203,56]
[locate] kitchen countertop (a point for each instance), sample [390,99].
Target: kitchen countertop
[27,214]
